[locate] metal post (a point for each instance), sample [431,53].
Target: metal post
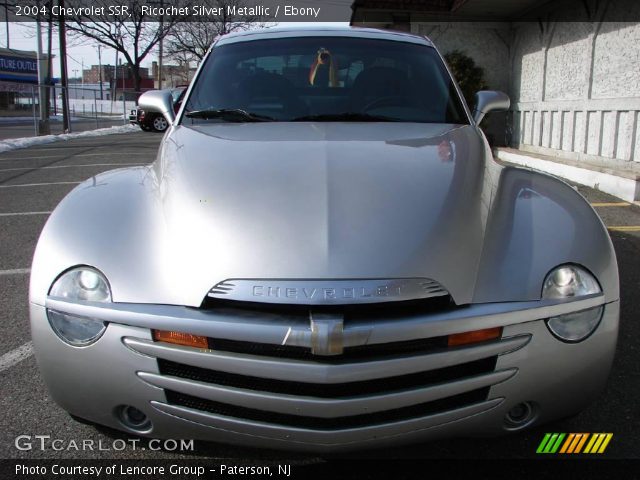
[49,80]
[100,68]
[115,82]
[63,71]
[95,104]
[124,98]
[43,127]
[33,103]
[160,49]
[6,20]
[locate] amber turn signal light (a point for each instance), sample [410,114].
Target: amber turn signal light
[476,336]
[180,338]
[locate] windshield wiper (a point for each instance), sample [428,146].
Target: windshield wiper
[229,115]
[345,117]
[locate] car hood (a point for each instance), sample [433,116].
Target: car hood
[322,201]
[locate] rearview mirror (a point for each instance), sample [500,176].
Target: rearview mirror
[489,101]
[158,101]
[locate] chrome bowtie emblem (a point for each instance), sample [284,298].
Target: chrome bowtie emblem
[327,333]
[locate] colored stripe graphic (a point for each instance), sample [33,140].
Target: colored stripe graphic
[567,443]
[573,443]
[555,447]
[581,443]
[607,439]
[543,443]
[593,440]
[550,443]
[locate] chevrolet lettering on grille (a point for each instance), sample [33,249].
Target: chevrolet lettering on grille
[327,292]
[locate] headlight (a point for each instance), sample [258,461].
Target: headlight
[84,284]
[570,281]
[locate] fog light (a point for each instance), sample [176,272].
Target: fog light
[520,416]
[133,418]
[76,331]
[577,326]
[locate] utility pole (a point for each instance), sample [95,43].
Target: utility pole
[100,69]
[115,73]
[50,85]
[6,20]
[160,49]
[115,80]
[43,120]
[63,71]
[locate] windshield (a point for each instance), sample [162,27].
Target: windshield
[324,79]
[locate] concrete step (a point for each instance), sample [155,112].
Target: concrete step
[615,177]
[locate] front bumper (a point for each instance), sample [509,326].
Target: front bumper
[309,404]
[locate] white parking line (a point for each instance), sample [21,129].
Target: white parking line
[62,155]
[39,184]
[15,356]
[32,158]
[17,214]
[110,154]
[72,166]
[16,271]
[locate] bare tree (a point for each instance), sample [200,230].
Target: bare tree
[132,34]
[194,38]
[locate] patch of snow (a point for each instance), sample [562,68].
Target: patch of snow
[16,143]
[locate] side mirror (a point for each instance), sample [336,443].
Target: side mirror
[489,101]
[158,101]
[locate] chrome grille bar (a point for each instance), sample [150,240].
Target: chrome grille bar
[323,407]
[295,370]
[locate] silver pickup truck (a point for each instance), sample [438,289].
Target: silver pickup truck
[323,256]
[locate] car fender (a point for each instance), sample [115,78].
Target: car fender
[538,222]
[108,222]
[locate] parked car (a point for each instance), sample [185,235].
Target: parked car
[151,121]
[324,256]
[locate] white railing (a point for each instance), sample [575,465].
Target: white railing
[99,107]
[598,129]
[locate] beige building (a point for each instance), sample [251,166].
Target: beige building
[109,72]
[571,68]
[173,75]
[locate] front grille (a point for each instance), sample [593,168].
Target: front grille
[368,352]
[335,423]
[245,384]
[352,315]
[331,390]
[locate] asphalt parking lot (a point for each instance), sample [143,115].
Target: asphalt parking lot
[34,180]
